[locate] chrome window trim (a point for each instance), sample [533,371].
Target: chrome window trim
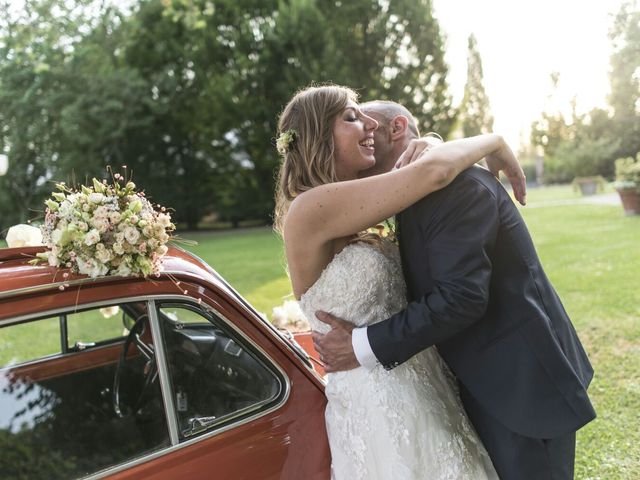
[163,372]
[283,379]
[54,286]
[80,281]
[73,309]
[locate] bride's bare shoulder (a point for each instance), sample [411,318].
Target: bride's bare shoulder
[303,217]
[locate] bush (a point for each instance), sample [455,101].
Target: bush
[628,173]
[585,157]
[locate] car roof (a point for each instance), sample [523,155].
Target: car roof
[18,275]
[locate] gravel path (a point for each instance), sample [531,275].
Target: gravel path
[604,199]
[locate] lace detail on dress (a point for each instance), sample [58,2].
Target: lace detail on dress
[404,424]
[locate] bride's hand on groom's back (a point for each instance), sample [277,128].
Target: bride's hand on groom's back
[335,347]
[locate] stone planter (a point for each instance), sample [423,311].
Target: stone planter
[588,185]
[630,198]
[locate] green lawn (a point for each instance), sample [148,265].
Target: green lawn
[591,255]
[251,260]
[560,192]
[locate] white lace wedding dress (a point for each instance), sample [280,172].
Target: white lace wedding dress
[406,423]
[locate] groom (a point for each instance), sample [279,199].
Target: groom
[477,290]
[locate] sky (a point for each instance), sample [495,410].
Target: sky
[521,43]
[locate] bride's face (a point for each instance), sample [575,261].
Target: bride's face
[353,140]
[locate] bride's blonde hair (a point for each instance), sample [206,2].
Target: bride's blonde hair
[305,142]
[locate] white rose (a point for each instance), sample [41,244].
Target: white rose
[161,250]
[104,255]
[96,197]
[289,315]
[123,270]
[23,236]
[53,259]
[164,220]
[100,223]
[66,209]
[101,211]
[92,237]
[91,267]
[117,248]
[132,235]
[56,235]
[108,312]
[115,217]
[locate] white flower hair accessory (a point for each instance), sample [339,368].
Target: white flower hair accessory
[24,236]
[285,141]
[105,229]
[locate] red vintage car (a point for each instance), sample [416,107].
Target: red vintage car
[175,377]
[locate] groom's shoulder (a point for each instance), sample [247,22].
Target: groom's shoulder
[474,184]
[479,175]
[471,182]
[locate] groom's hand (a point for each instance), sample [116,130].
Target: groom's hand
[335,348]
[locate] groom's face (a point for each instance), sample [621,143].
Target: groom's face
[383,145]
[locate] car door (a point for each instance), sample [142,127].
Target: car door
[57,416]
[155,386]
[242,408]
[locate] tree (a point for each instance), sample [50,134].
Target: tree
[625,78]
[475,109]
[59,98]
[187,94]
[34,49]
[385,50]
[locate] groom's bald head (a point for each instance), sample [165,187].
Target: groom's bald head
[388,110]
[396,127]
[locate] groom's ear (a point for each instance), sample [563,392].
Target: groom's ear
[399,126]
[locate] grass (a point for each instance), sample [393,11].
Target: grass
[592,257]
[560,192]
[251,260]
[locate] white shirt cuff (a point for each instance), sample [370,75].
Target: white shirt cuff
[362,348]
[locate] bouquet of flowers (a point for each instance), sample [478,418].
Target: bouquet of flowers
[105,229]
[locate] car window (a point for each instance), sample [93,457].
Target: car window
[91,327]
[29,341]
[59,418]
[216,377]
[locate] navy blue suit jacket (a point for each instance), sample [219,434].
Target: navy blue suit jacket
[477,290]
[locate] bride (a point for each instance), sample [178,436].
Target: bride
[405,423]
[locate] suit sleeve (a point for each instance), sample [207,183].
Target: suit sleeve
[458,239]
